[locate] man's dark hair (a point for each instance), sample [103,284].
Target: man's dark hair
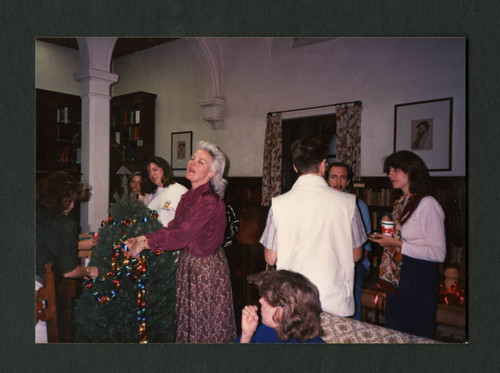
[307,155]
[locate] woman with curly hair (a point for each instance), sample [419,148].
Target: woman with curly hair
[57,238]
[290,311]
[204,310]
[57,233]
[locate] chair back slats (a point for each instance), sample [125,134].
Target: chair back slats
[45,305]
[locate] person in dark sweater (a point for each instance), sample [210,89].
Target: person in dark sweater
[56,232]
[290,311]
[57,237]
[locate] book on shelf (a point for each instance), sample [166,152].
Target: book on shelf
[78,157]
[64,115]
[133,134]
[131,117]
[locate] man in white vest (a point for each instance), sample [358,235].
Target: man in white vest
[316,230]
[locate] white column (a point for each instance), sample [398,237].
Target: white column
[96,80]
[95,144]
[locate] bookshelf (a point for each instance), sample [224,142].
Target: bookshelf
[132,134]
[58,136]
[58,133]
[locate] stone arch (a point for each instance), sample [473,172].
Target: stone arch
[96,53]
[208,54]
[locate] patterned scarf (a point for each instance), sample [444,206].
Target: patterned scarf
[392,258]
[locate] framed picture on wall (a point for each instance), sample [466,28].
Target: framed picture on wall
[425,128]
[181,147]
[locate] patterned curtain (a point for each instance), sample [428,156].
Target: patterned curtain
[271,173]
[348,119]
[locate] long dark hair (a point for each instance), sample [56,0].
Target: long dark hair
[418,179]
[414,166]
[168,175]
[298,297]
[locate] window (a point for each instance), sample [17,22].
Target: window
[322,127]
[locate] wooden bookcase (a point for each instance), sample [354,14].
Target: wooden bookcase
[58,136]
[132,134]
[58,133]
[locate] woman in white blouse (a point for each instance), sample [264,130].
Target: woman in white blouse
[164,192]
[415,249]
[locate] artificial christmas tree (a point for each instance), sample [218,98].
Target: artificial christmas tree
[132,300]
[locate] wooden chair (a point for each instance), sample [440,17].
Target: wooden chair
[67,290]
[45,305]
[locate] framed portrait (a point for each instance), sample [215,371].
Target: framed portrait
[181,147]
[425,128]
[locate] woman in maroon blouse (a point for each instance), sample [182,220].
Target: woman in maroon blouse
[204,310]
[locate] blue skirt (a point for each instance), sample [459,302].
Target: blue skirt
[413,309]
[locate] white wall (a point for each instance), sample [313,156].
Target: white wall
[171,72]
[54,68]
[263,74]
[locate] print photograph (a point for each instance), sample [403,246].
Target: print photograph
[290,140]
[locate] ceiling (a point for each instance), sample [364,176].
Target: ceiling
[123,46]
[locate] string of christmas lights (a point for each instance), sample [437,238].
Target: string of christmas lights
[134,269]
